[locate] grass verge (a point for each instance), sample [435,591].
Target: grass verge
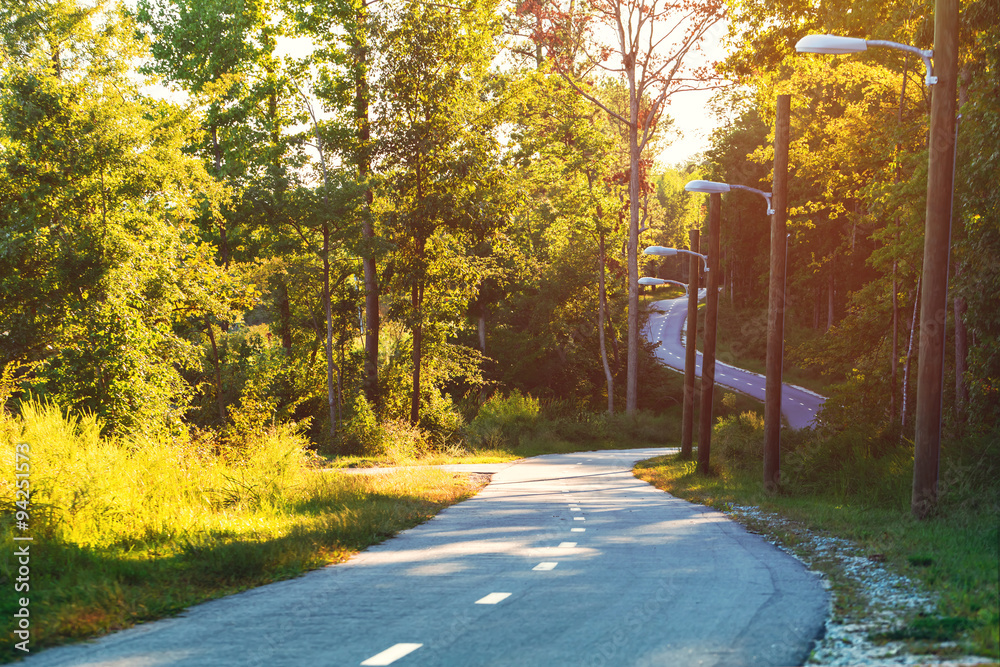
[134,530]
[954,554]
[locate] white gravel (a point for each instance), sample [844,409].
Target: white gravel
[890,599]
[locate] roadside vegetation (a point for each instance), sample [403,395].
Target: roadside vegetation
[741,341]
[844,483]
[132,528]
[413,244]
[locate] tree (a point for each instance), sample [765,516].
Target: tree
[650,43]
[436,145]
[96,201]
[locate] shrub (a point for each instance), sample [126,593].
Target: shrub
[851,464]
[504,421]
[739,440]
[361,435]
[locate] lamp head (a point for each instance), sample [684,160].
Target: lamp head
[660,250]
[708,187]
[652,281]
[832,44]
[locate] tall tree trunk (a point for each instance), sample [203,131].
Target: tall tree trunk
[601,310]
[416,299]
[894,364]
[285,316]
[817,304]
[829,298]
[372,315]
[632,362]
[894,348]
[960,304]
[482,327]
[961,358]
[223,235]
[219,399]
[330,365]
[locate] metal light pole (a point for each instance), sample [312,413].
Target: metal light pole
[689,360]
[776,299]
[690,351]
[937,235]
[708,353]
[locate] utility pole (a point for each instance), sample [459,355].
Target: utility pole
[776,297]
[708,354]
[687,421]
[937,250]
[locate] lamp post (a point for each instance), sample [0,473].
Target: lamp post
[715,188]
[943,76]
[776,307]
[711,264]
[687,414]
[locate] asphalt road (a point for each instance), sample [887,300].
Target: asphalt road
[560,560]
[666,325]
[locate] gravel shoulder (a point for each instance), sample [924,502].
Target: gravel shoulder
[873,598]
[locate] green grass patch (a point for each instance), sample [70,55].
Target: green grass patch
[132,530]
[954,553]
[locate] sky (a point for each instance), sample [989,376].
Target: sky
[693,123]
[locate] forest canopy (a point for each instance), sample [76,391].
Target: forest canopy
[434,203]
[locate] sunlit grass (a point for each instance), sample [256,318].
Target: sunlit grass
[132,530]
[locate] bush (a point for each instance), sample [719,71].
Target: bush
[361,435]
[738,441]
[503,421]
[851,464]
[394,441]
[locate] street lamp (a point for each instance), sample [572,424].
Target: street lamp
[937,235]
[775,325]
[670,252]
[714,188]
[652,282]
[708,354]
[837,45]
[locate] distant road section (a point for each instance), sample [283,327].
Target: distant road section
[666,324]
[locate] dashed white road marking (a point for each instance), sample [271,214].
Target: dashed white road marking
[574,509]
[567,545]
[392,654]
[577,530]
[493,598]
[578,518]
[549,565]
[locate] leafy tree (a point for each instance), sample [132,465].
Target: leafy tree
[649,54]
[440,157]
[97,198]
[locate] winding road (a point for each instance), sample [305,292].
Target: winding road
[560,560]
[666,326]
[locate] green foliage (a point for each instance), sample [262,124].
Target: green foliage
[138,528]
[503,421]
[739,440]
[851,464]
[361,435]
